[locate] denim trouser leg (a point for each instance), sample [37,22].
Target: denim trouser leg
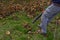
[48,14]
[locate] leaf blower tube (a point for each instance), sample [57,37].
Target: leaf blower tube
[36,18]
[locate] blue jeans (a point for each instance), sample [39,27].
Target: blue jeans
[47,15]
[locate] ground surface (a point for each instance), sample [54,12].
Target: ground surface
[14,27]
[17,31]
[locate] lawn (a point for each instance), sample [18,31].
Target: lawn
[11,28]
[19,26]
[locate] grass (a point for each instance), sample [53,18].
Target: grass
[18,32]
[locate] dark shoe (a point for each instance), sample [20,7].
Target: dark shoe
[40,32]
[44,34]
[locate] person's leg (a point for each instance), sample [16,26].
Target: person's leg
[48,14]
